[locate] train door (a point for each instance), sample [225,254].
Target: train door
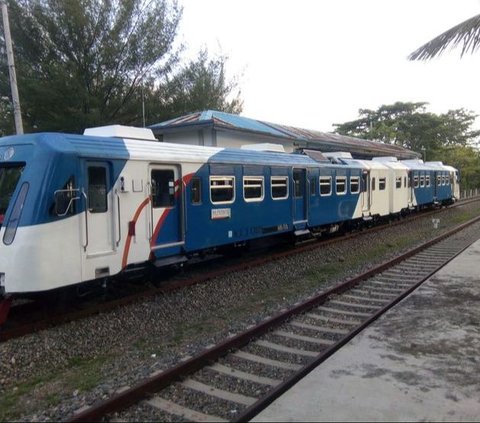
[100,238]
[454,181]
[366,192]
[410,189]
[99,231]
[435,185]
[166,229]
[299,198]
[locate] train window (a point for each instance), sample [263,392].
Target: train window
[373,184]
[279,186]
[447,180]
[409,180]
[415,181]
[298,180]
[427,180]
[404,182]
[341,185]
[9,177]
[422,180]
[382,183]
[97,189]
[398,182]
[443,179]
[364,181]
[163,188]
[253,188]
[354,184]
[222,189]
[325,185]
[65,199]
[196,191]
[14,220]
[313,186]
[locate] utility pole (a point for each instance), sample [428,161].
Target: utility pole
[17,113]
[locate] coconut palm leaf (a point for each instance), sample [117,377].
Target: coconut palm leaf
[466,34]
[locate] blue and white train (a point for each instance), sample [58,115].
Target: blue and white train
[77,208]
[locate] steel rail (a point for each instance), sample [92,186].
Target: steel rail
[156,383]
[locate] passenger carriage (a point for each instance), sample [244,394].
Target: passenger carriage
[421,182]
[399,191]
[375,187]
[432,183]
[447,188]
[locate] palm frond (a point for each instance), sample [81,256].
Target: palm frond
[466,34]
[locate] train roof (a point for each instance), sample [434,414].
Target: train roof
[442,166]
[107,147]
[391,162]
[366,164]
[419,165]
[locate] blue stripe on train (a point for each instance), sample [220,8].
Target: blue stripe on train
[51,160]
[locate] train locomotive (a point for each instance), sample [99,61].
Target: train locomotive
[80,208]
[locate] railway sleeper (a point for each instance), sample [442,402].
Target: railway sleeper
[310,339]
[342,312]
[364,298]
[282,348]
[329,319]
[229,371]
[266,361]
[188,414]
[321,329]
[353,305]
[378,291]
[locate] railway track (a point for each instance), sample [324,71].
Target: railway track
[32,317]
[236,379]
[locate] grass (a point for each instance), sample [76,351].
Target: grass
[46,391]
[464,216]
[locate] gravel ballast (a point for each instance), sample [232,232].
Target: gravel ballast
[48,375]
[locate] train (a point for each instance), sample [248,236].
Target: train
[81,208]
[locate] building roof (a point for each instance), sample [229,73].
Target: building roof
[323,141]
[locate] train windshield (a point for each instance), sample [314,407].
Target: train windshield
[9,176]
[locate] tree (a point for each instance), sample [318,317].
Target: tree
[6,116]
[81,61]
[200,85]
[447,137]
[466,34]
[467,160]
[86,63]
[411,126]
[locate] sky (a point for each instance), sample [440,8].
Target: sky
[313,63]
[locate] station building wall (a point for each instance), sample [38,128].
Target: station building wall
[215,138]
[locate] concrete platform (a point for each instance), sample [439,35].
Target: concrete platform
[420,361]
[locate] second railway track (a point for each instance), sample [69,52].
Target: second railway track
[237,378]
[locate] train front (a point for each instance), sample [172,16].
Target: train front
[15,152]
[25,165]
